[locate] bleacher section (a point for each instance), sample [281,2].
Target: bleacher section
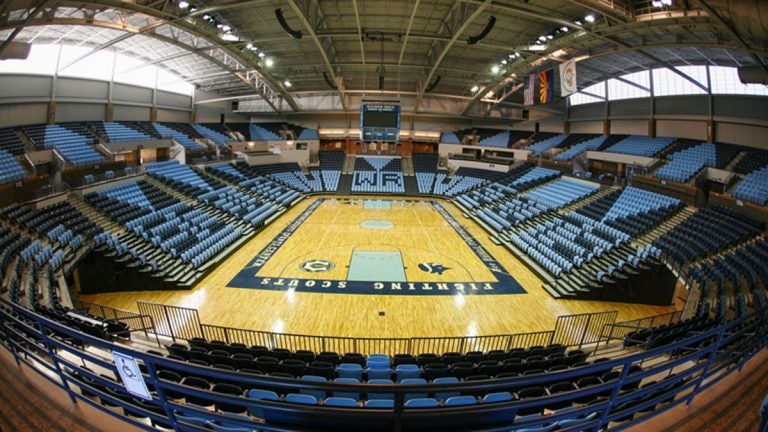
[10,169]
[449,138]
[289,174]
[500,139]
[74,147]
[258,180]
[641,146]
[185,140]
[463,180]
[217,137]
[9,142]
[331,163]
[707,232]
[252,208]
[307,134]
[265,132]
[513,211]
[378,175]
[425,169]
[541,146]
[723,276]
[582,248]
[591,144]
[754,187]
[243,129]
[752,160]
[119,132]
[518,179]
[687,162]
[191,235]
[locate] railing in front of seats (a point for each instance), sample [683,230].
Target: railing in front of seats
[616,331]
[688,366]
[570,330]
[136,322]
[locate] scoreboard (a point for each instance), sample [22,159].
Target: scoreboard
[379,122]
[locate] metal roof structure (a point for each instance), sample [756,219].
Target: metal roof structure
[308,55]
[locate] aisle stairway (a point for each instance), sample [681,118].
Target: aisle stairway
[345,185]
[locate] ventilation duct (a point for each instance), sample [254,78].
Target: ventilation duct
[753,75]
[488,27]
[16,51]
[296,34]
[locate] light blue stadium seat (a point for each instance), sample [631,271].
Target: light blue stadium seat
[422,403]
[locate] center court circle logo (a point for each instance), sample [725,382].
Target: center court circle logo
[316,266]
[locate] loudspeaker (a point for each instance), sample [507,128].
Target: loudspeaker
[221,118]
[526,114]
[235,105]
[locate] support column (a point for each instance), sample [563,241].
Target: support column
[193,116]
[109,112]
[153,114]
[566,127]
[51,115]
[652,127]
[606,127]
[710,131]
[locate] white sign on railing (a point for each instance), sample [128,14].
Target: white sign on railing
[131,375]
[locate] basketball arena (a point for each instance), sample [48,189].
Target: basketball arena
[359,215]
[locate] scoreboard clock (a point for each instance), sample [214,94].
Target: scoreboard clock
[379,122]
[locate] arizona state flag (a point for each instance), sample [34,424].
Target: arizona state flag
[546,86]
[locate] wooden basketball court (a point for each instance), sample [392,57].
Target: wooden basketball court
[374,267]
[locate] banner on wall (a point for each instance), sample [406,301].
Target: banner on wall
[528,89]
[546,86]
[568,78]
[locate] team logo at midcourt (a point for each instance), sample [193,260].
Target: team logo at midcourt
[316,266]
[433,268]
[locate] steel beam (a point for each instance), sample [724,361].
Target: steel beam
[731,30]
[32,14]
[311,30]
[456,34]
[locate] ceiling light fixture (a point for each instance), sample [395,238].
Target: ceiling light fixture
[495,69]
[268,61]
[183,4]
[589,18]
[542,38]
[249,46]
[226,28]
[474,89]
[564,29]
[503,62]
[550,37]
[287,83]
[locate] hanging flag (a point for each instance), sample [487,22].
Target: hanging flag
[529,85]
[568,78]
[546,86]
